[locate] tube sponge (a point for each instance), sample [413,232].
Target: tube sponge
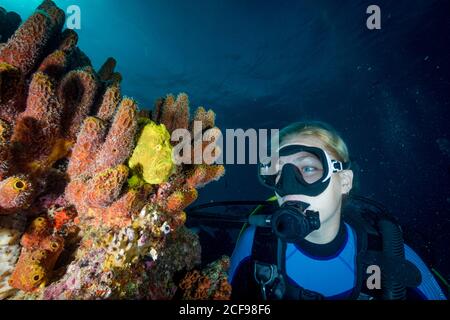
[120,213]
[55,14]
[203,174]
[35,265]
[109,102]
[55,64]
[90,138]
[42,104]
[10,77]
[5,150]
[98,173]
[180,199]
[79,59]
[38,127]
[29,273]
[5,132]
[26,46]
[5,160]
[75,194]
[207,118]
[16,193]
[174,114]
[119,141]
[107,69]
[11,92]
[77,92]
[39,254]
[68,40]
[105,187]
[38,230]
[117,215]
[152,158]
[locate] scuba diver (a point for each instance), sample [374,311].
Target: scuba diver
[311,243]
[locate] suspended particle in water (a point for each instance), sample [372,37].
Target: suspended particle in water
[444,146]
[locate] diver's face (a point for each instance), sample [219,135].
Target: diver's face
[328,203]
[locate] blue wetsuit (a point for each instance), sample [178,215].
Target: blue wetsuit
[329,269]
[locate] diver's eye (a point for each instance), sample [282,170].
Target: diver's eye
[309,169]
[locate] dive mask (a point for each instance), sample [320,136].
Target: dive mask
[299,170]
[296,170]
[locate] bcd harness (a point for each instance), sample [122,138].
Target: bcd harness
[379,242]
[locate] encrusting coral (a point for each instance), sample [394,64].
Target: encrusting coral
[90,177]
[208,284]
[11,229]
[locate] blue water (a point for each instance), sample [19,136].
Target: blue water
[263,64]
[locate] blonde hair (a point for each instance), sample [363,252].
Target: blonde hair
[327,134]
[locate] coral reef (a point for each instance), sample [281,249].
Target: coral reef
[40,251]
[203,174]
[11,229]
[174,113]
[26,46]
[90,177]
[208,284]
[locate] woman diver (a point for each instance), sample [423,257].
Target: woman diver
[311,244]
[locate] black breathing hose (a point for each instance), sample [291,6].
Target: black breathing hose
[393,246]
